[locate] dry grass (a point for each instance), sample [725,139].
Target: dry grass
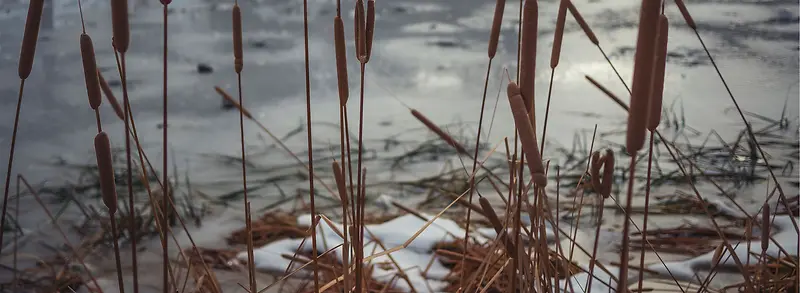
[522,258]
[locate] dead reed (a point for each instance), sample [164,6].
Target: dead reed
[112,100]
[310,146]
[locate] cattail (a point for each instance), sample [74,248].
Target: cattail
[30,37]
[230,100]
[654,117]
[497,23]
[360,35]
[527,63]
[765,227]
[370,29]
[90,72]
[496,224]
[108,188]
[444,136]
[341,60]
[121,27]
[585,26]
[340,183]
[594,171]
[238,60]
[608,172]
[525,130]
[685,12]
[110,96]
[642,75]
[559,34]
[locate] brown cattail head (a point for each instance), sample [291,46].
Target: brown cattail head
[119,21]
[642,75]
[233,102]
[238,60]
[559,33]
[525,130]
[765,227]
[360,34]
[497,23]
[110,96]
[341,60]
[443,135]
[685,12]
[338,176]
[108,188]
[608,172]
[90,72]
[584,26]
[370,30]
[30,37]
[594,171]
[527,63]
[654,117]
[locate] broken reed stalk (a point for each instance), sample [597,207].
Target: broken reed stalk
[494,37]
[653,120]
[587,30]
[641,91]
[27,52]
[436,129]
[690,22]
[108,188]
[765,232]
[311,194]
[112,100]
[50,216]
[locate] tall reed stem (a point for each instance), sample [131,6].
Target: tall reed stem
[167,192]
[314,252]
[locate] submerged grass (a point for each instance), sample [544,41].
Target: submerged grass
[530,249]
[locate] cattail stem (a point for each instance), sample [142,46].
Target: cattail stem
[646,209]
[11,159]
[622,283]
[166,210]
[27,52]
[129,168]
[310,147]
[474,168]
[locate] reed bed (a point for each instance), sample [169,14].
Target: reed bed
[525,234]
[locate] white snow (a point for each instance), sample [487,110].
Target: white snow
[413,259]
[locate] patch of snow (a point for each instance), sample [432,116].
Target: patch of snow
[413,259]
